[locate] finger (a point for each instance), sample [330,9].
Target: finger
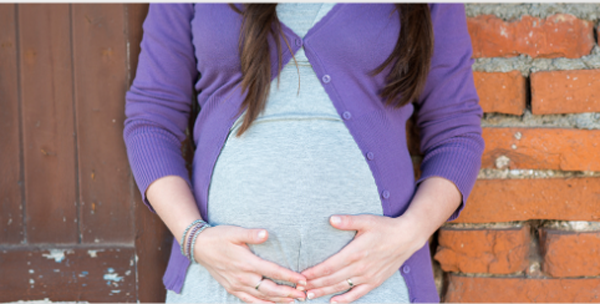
[273,290]
[257,292]
[339,276]
[274,300]
[247,298]
[249,236]
[351,222]
[277,272]
[264,297]
[334,263]
[354,294]
[330,289]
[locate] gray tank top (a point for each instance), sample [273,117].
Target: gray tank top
[288,173]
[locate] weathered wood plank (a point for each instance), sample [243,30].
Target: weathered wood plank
[48,129]
[11,216]
[100,67]
[100,274]
[136,14]
[153,240]
[153,247]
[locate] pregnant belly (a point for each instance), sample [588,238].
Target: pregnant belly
[289,177]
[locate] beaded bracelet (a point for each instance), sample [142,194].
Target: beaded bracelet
[189,237]
[185,232]
[191,253]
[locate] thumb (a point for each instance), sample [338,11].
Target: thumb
[252,236]
[350,222]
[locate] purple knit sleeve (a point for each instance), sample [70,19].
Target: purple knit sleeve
[158,102]
[449,115]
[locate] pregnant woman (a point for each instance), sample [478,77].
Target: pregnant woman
[302,187]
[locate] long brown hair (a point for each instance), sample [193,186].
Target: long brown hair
[410,59]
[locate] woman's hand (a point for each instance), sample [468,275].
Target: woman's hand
[382,244]
[380,247]
[222,250]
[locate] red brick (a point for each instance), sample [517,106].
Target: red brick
[570,254]
[560,35]
[543,148]
[557,92]
[496,251]
[573,199]
[501,92]
[479,289]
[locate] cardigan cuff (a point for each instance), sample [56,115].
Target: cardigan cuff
[458,162]
[153,154]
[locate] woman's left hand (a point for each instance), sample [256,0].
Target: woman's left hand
[379,249]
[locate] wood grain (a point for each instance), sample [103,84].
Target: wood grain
[153,248]
[153,239]
[100,66]
[11,215]
[98,273]
[47,106]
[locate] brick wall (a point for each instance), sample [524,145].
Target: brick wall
[531,228]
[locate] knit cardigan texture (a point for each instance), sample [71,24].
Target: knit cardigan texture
[189,48]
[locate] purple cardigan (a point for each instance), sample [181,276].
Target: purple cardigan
[182,42]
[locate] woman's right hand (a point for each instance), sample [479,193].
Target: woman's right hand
[224,252]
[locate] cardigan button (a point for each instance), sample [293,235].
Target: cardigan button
[326,79]
[386,194]
[298,42]
[370,155]
[406,269]
[346,115]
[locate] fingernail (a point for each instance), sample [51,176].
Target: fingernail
[333,302]
[310,295]
[301,288]
[300,299]
[302,283]
[336,220]
[262,234]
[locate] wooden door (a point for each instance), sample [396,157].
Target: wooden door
[72,224]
